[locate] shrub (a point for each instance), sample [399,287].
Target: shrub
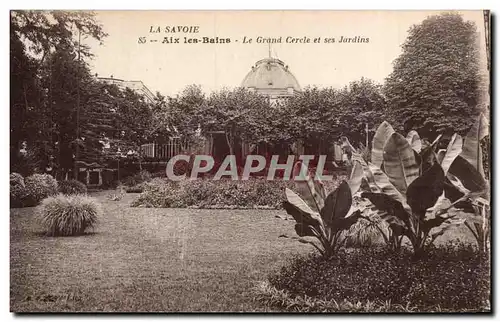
[135,189]
[72,187]
[206,193]
[17,190]
[68,215]
[38,187]
[454,277]
[143,176]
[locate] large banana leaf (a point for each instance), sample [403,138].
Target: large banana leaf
[337,204]
[468,175]
[394,213]
[346,223]
[309,188]
[386,187]
[414,140]
[452,151]
[472,144]
[383,133]
[454,190]
[400,164]
[304,230]
[424,192]
[355,177]
[298,202]
[299,209]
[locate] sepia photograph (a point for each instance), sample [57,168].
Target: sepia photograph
[250,161]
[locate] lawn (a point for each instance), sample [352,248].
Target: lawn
[143,259]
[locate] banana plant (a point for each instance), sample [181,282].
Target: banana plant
[466,178]
[406,184]
[319,215]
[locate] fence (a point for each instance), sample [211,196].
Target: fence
[164,151]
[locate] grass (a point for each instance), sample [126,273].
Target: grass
[148,259]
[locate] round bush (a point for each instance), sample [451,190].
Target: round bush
[68,215]
[38,187]
[17,190]
[72,187]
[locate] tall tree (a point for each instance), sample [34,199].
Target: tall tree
[434,85]
[35,35]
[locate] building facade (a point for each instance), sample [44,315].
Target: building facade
[137,86]
[272,78]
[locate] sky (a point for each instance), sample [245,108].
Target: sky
[168,68]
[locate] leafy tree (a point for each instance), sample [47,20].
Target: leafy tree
[239,113]
[361,105]
[36,35]
[435,82]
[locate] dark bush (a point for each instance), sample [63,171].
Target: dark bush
[39,187]
[72,187]
[17,190]
[68,215]
[450,278]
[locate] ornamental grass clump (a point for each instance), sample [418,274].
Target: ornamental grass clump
[68,215]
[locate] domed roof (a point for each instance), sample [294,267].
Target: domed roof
[270,73]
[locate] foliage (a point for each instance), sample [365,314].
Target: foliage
[72,187]
[406,184]
[17,190]
[38,187]
[283,301]
[434,86]
[206,193]
[366,232]
[319,215]
[424,285]
[240,114]
[37,37]
[137,179]
[135,189]
[467,179]
[68,215]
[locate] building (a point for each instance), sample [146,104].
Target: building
[137,86]
[272,78]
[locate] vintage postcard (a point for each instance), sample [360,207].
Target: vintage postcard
[250,161]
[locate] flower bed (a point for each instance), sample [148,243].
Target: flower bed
[255,193]
[454,277]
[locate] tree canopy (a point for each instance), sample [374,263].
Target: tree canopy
[434,85]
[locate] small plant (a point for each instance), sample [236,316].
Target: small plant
[72,187]
[38,187]
[114,196]
[135,189]
[68,215]
[320,216]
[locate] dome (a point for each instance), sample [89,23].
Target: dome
[270,74]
